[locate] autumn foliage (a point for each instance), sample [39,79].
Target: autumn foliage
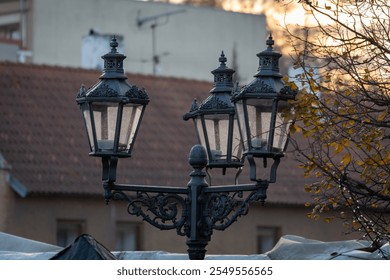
[343,111]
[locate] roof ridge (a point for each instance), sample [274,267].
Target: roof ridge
[98,72]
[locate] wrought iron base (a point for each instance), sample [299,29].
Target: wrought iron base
[194,211]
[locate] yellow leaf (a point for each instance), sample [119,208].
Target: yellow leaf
[328,220]
[338,147]
[360,163]
[346,159]
[382,116]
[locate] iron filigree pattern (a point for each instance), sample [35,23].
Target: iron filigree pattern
[194,106]
[288,91]
[136,93]
[223,209]
[259,86]
[213,102]
[82,92]
[103,90]
[162,210]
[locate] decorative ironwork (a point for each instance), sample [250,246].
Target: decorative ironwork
[194,106]
[259,86]
[288,91]
[165,211]
[213,102]
[135,92]
[103,90]
[223,209]
[82,92]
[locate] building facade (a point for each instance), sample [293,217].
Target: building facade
[164,39]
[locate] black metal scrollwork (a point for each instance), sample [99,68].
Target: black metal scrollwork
[162,210]
[223,209]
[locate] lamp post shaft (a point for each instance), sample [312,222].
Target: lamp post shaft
[197,240]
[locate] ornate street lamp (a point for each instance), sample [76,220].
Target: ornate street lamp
[112,109]
[112,112]
[261,108]
[216,123]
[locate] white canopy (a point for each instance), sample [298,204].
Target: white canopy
[289,247]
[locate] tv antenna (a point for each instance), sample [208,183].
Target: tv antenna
[155,23]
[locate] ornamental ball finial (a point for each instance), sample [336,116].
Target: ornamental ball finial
[222,59]
[198,156]
[113,44]
[270,42]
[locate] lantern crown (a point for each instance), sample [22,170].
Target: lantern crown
[223,77]
[113,63]
[269,61]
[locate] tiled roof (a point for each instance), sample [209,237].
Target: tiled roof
[43,139]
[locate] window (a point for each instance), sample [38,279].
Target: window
[267,238]
[127,236]
[68,231]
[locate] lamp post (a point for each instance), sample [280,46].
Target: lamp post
[112,111]
[215,122]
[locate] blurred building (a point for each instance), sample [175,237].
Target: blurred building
[164,39]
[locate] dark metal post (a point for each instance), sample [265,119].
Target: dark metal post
[196,239]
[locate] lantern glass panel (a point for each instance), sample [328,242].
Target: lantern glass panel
[259,115]
[236,142]
[255,121]
[199,131]
[85,109]
[282,127]
[241,116]
[130,119]
[105,117]
[217,127]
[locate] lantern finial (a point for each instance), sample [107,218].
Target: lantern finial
[113,45]
[222,59]
[270,42]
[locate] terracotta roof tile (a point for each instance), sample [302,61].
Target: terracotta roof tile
[43,139]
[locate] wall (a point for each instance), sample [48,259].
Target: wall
[192,41]
[39,215]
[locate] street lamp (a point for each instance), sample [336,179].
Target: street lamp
[216,123]
[112,111]
[262,107]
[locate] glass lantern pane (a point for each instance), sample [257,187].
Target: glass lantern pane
[130,120]
[105,117]
[88,124]
[236,142]
[282,127]
[259,115]
[241,119]
[217,132]
[258,127]
[199,131]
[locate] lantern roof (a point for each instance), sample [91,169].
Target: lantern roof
[220,98]
[223,77]
[268,83]
[269,61]
[113,85]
